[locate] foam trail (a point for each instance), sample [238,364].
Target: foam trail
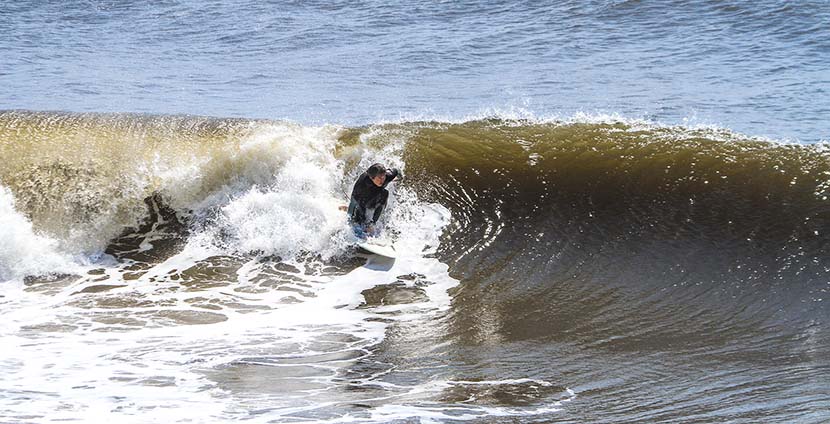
[144,367]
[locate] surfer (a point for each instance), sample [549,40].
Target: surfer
[369,197]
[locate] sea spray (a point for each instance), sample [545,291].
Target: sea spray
[22,250]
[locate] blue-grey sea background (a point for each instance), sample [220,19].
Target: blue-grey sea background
[760,68]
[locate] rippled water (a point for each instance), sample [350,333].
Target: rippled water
[592,224]
[755,67]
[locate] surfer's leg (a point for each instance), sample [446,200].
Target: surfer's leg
[357,215]
[352,206]
[359,231]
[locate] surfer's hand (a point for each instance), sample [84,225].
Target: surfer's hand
[343,208]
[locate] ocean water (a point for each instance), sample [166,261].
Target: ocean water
[609,212]
[758,68]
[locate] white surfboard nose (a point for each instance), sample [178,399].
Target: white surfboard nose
[385,250]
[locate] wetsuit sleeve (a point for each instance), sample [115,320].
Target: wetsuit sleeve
[391,174]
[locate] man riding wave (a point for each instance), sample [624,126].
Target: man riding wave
[369,197]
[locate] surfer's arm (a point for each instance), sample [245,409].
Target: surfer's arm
[391,174]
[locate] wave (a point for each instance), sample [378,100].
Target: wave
[524,194]
[616,179]
[84,179]
[550,248]
[628,235]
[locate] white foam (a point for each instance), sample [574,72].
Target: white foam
[101,196]
[23,251]
[92,367]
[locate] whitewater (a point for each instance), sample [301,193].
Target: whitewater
[147,317]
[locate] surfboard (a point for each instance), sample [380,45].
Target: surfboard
[385,250]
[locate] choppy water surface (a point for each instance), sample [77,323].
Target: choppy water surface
[593,223]
[755,67]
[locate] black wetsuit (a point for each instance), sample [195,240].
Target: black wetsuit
[366,195]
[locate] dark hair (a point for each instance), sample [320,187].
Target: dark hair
[376,169]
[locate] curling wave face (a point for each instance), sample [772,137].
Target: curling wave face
[680,254]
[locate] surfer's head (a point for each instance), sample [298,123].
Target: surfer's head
[377,173]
